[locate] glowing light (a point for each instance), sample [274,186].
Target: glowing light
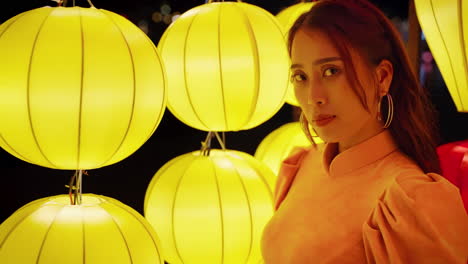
[277,145]
[80,88]
[100,230]
[445,24]
[227,66]
[211,209]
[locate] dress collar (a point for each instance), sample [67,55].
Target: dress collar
[357,156]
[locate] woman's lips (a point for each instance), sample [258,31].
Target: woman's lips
[323,120]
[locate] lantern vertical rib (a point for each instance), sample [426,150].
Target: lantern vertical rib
[132,110]
[248,206]
[39,254]
[221,213]
[150,190]
[256,61]
[52,108]
[287,79]
[275,138]
[1,137]
[83,233]
[28,88]
[10,23]
[173,213]
[264,181]
[14,228]
[462,45]
[163,106]
[155,179]
[120,232]
[13,150]
[84,236]
[144,225]
[272,137]
[226,124]
[281,30]
[446,49]
[80,121]
[185,72]
[55,231]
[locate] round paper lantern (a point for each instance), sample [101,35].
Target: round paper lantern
[80,88]
[211,209]
[227,66]
[100,230]
[287,17]
[277,145]
[445,24]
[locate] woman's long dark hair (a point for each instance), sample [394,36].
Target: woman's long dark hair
[361,26]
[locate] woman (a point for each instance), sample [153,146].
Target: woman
[372,193]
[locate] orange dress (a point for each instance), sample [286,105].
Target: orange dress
[368,204]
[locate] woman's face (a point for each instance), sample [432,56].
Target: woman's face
[325,94]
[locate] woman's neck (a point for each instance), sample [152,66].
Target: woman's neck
[358,138]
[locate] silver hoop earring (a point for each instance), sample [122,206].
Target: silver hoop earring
[390,110]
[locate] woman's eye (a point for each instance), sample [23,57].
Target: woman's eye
[297,78]
[330,72]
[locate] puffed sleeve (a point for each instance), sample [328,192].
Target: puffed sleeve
[418,219]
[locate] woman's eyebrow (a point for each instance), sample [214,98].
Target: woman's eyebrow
[296,65]
[325,60]
[318,62]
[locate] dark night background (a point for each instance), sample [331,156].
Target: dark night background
[126,181]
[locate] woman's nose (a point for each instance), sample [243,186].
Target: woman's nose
[317,101]
[317,95]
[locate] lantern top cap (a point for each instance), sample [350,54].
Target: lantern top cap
[63,3]
[88,200]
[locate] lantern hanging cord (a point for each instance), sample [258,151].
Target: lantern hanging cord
[75,187]
[220,141]
[206,145]
[64,3]
[90,3]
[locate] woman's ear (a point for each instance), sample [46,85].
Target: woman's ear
[384,72]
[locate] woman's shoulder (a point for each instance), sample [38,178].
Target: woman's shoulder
[296,155]
[411,182]
[411,178]
[420,216]
[288,170]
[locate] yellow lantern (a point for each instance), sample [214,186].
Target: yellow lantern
[80,88]
[211,208]
[100,230]
[287,17]
[277,145]
[227,66]
[445,24]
